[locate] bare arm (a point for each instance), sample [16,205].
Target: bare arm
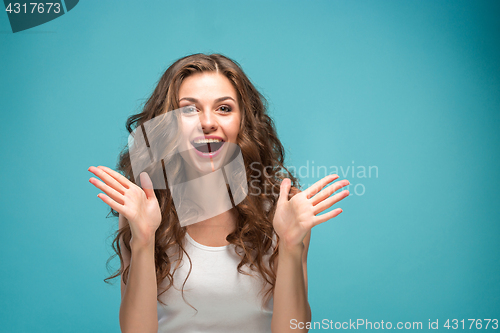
[293,221]
[139,208]
[138,312]
[290,293]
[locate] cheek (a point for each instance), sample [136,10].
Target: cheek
[235,127]
[237,121]
[190,126]
[231,127]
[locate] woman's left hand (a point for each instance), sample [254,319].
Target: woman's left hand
[294,218]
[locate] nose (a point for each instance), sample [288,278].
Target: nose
[208,122]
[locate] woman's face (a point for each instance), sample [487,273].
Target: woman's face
[211,120]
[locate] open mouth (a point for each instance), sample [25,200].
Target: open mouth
[207,146]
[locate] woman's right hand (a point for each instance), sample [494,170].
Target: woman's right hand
[138,205]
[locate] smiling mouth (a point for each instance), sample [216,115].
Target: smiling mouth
[207,146]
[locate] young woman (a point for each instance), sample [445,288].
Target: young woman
[244,270]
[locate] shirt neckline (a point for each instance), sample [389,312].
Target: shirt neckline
[205,247]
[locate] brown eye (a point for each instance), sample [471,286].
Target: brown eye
[188,110]
[225,109]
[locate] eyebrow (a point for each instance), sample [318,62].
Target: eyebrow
[218,100]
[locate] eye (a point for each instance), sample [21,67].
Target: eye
[225,109]
[188,110]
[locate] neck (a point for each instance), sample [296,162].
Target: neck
[213,231]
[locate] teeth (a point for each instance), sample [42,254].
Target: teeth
[207,140]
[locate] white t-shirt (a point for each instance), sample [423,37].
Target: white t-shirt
[227,301]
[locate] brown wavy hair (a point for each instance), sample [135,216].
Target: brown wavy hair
[263,155]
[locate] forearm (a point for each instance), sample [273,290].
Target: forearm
[290,293]
[138,310]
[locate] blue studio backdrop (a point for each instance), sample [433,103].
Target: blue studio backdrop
[402,98]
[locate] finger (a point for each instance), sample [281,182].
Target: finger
[117,176]
[325,217]
[325,193]
[330,202]
[284,190]
[108,179]
[111,203]
[316,187]
[111,192]
[147,185]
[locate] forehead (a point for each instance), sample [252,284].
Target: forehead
[206,85]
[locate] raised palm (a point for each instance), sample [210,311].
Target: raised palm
[294,218]
[138,205]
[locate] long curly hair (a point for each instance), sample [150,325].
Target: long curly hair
[263,156]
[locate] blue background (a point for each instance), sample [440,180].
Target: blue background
[410,87]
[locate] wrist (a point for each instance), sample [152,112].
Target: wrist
[291,250]
[142,245]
